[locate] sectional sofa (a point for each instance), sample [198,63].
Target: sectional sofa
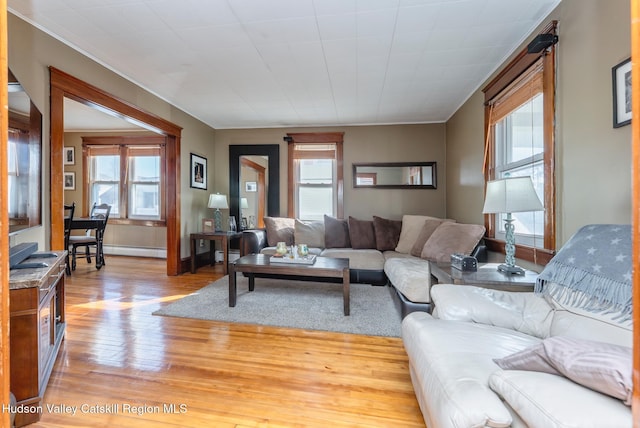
[560,357]
[380,251]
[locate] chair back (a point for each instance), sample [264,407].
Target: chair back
[69,210]
[102,212]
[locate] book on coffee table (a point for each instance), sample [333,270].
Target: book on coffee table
[307,260]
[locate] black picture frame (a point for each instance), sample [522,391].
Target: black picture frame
[198,168]
[621,78]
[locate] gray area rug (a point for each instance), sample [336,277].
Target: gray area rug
[297,304]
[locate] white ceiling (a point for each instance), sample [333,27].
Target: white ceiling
[285,63]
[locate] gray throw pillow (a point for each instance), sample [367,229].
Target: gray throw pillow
[361,234]
[336,233]
[279,229]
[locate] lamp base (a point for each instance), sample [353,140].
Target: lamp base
[510,270]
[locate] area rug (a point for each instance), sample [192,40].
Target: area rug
[297,304]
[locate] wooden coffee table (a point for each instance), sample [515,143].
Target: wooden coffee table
[323,269]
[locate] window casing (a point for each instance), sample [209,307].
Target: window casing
[519,119]
[315,176]
[128,175]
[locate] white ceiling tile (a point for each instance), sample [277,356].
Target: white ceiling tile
[254,63]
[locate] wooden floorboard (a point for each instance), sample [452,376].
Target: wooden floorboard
[120,366]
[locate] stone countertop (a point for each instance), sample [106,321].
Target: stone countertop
[33,277]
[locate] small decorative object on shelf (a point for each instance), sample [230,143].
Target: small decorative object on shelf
[303,250]
[281,248]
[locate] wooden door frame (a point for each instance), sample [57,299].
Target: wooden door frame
[4,219]
[64,85]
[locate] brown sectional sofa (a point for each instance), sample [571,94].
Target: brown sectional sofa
[380,251]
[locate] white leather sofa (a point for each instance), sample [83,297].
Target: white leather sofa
[458,383]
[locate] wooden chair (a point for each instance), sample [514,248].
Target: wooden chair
[93,237]
[68,218]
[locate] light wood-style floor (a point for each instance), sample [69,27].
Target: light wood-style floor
[123,367]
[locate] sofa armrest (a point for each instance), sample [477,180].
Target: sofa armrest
[253,240]
[524,312]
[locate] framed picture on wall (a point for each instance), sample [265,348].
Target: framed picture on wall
[69,156]
[69,181]
[621,75]
[198,172]
[251,186]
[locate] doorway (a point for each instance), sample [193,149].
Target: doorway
[64,86]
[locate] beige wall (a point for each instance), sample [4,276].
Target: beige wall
[593,160]
[31,52]
[393,143]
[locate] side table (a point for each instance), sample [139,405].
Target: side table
[487,276]
[225,240]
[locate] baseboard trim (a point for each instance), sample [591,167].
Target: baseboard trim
[157,253]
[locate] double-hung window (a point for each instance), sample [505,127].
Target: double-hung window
[519,119]
[128,176]
[315,176]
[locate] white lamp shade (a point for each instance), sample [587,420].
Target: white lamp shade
[218,201]
[244,203]
[511,195]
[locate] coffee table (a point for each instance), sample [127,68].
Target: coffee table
[324,268]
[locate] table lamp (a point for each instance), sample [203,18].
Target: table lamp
[218,201]
[511,195]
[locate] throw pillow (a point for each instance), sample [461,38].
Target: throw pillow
[411,226]
[450,238]
[603,367]
[336,233]
[361,234]
[310,233]
[387,233]
[279,229]
[429,226]
[532,359]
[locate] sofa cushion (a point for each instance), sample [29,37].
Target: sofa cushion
[310,233]
[336,233]
[451,362]
[524,312]
[410,276]
[387,233]
[362,259]
[546,400]
[361,233]
[429,226]
[450,238]
[279,229]
[411,226]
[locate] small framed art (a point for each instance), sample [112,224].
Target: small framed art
[250,186]
[69,156]
[208,225]
[198,172]
[621,75]
[69,181]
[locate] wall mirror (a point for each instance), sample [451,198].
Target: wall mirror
[254,183]
[395,175]
[24,159]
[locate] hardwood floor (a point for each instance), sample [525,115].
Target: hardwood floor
[123,367]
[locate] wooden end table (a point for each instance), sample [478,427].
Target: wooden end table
[487,276]
[323,268]
[225,240]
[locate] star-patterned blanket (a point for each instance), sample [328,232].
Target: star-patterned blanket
[592,271]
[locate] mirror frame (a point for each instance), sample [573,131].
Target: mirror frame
[272,151]
[434,175]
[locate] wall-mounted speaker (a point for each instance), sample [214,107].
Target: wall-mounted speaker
[541,42]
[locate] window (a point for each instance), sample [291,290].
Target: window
[128,176]
[520,142]
[315,176]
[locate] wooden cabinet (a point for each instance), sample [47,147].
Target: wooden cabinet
[37,326]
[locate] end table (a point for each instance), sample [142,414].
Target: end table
[224,237]
[487,276]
